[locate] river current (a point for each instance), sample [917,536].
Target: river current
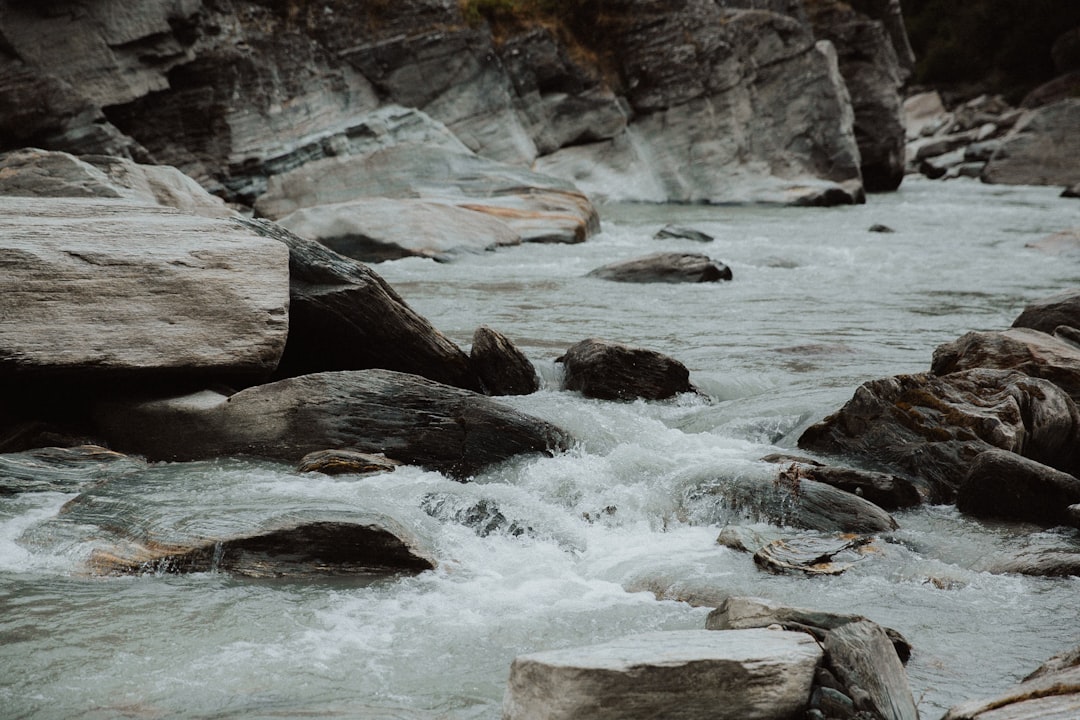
[616,536]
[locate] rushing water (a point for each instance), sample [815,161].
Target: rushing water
[616,536]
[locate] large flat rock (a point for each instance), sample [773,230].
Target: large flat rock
[680,675]
[1043,148]
[96,286]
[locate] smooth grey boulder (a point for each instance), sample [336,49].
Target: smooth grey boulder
[930,428]
[501,367]
[406,417]
[737,613]
[682,675]
[665,267]
[1042,149]
[539,208]
[344,316]
[1046,314]
[1043,562]
[1050,693]
[378,229]
[1002,484]
[862,656]
[613,371]
[1028,351]
[888,492]
[138,291]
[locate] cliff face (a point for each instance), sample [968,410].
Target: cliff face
[692,100]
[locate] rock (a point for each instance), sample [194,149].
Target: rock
[665,267]
[886,491]
[1055,90]
[1071,192]
[873,76]
[746,539]
[407,417]
[737,613]
[922,110]
[940,166]
[930,428]
[1046,314]
[501,367]
[862,656]
[346,462]
[682,233]
[1043,148]
[612,371]
[1046,562]
[738,674]
[344,316]
[879,228]
[797,503]
[482,515]
[1052,695]
[812,555]
[136,291]
[378,229]
[981,151]
[691,73]
[62,469]
[1001,484]
[1031,352]
[538,208]
[942,145]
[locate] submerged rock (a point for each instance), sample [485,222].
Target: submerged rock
[733,675]
[613,371]
[665,267]
[501,367]
[930,428]
[137,291]
[344,316]
[62,469]
[346,462]
[407,417]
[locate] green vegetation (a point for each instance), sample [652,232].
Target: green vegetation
[999,46]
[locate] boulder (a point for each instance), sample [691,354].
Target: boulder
[539,208]
[378,229]
[812,555]
[1045,562]
[344,316]
[682,233]
[665,267]
[1043,148]
[1031,352]
[1072,191]
[1050,694]
[62,469]
[922,110]
[501,367]
[737,675]
[1046,314]
[137,291]
[737,613]
[1002,484]
[931,428]
[407,417]
[873,75]
[862,656]
[613,371]
[888,492]
[346,462]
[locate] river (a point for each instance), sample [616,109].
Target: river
[616,536]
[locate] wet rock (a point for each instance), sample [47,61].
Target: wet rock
[1046,562]
[62,469]
[501,367]
[930,428]
[812,555]
[141,291]
[344,316]
[482,515]
[1048,313]
[346,462]
[879,228]
[738,612]
[665,267]
[678,674]
[682,233]
[862,656]
[612,371]
[1043,149]
[1071,192]
[407,417]
[884,490]
[1002,484]
[538,208]
[378,229]
[1051,694]
[1031,352]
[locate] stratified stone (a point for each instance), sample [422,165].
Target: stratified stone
[678,675]
[1053,694]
